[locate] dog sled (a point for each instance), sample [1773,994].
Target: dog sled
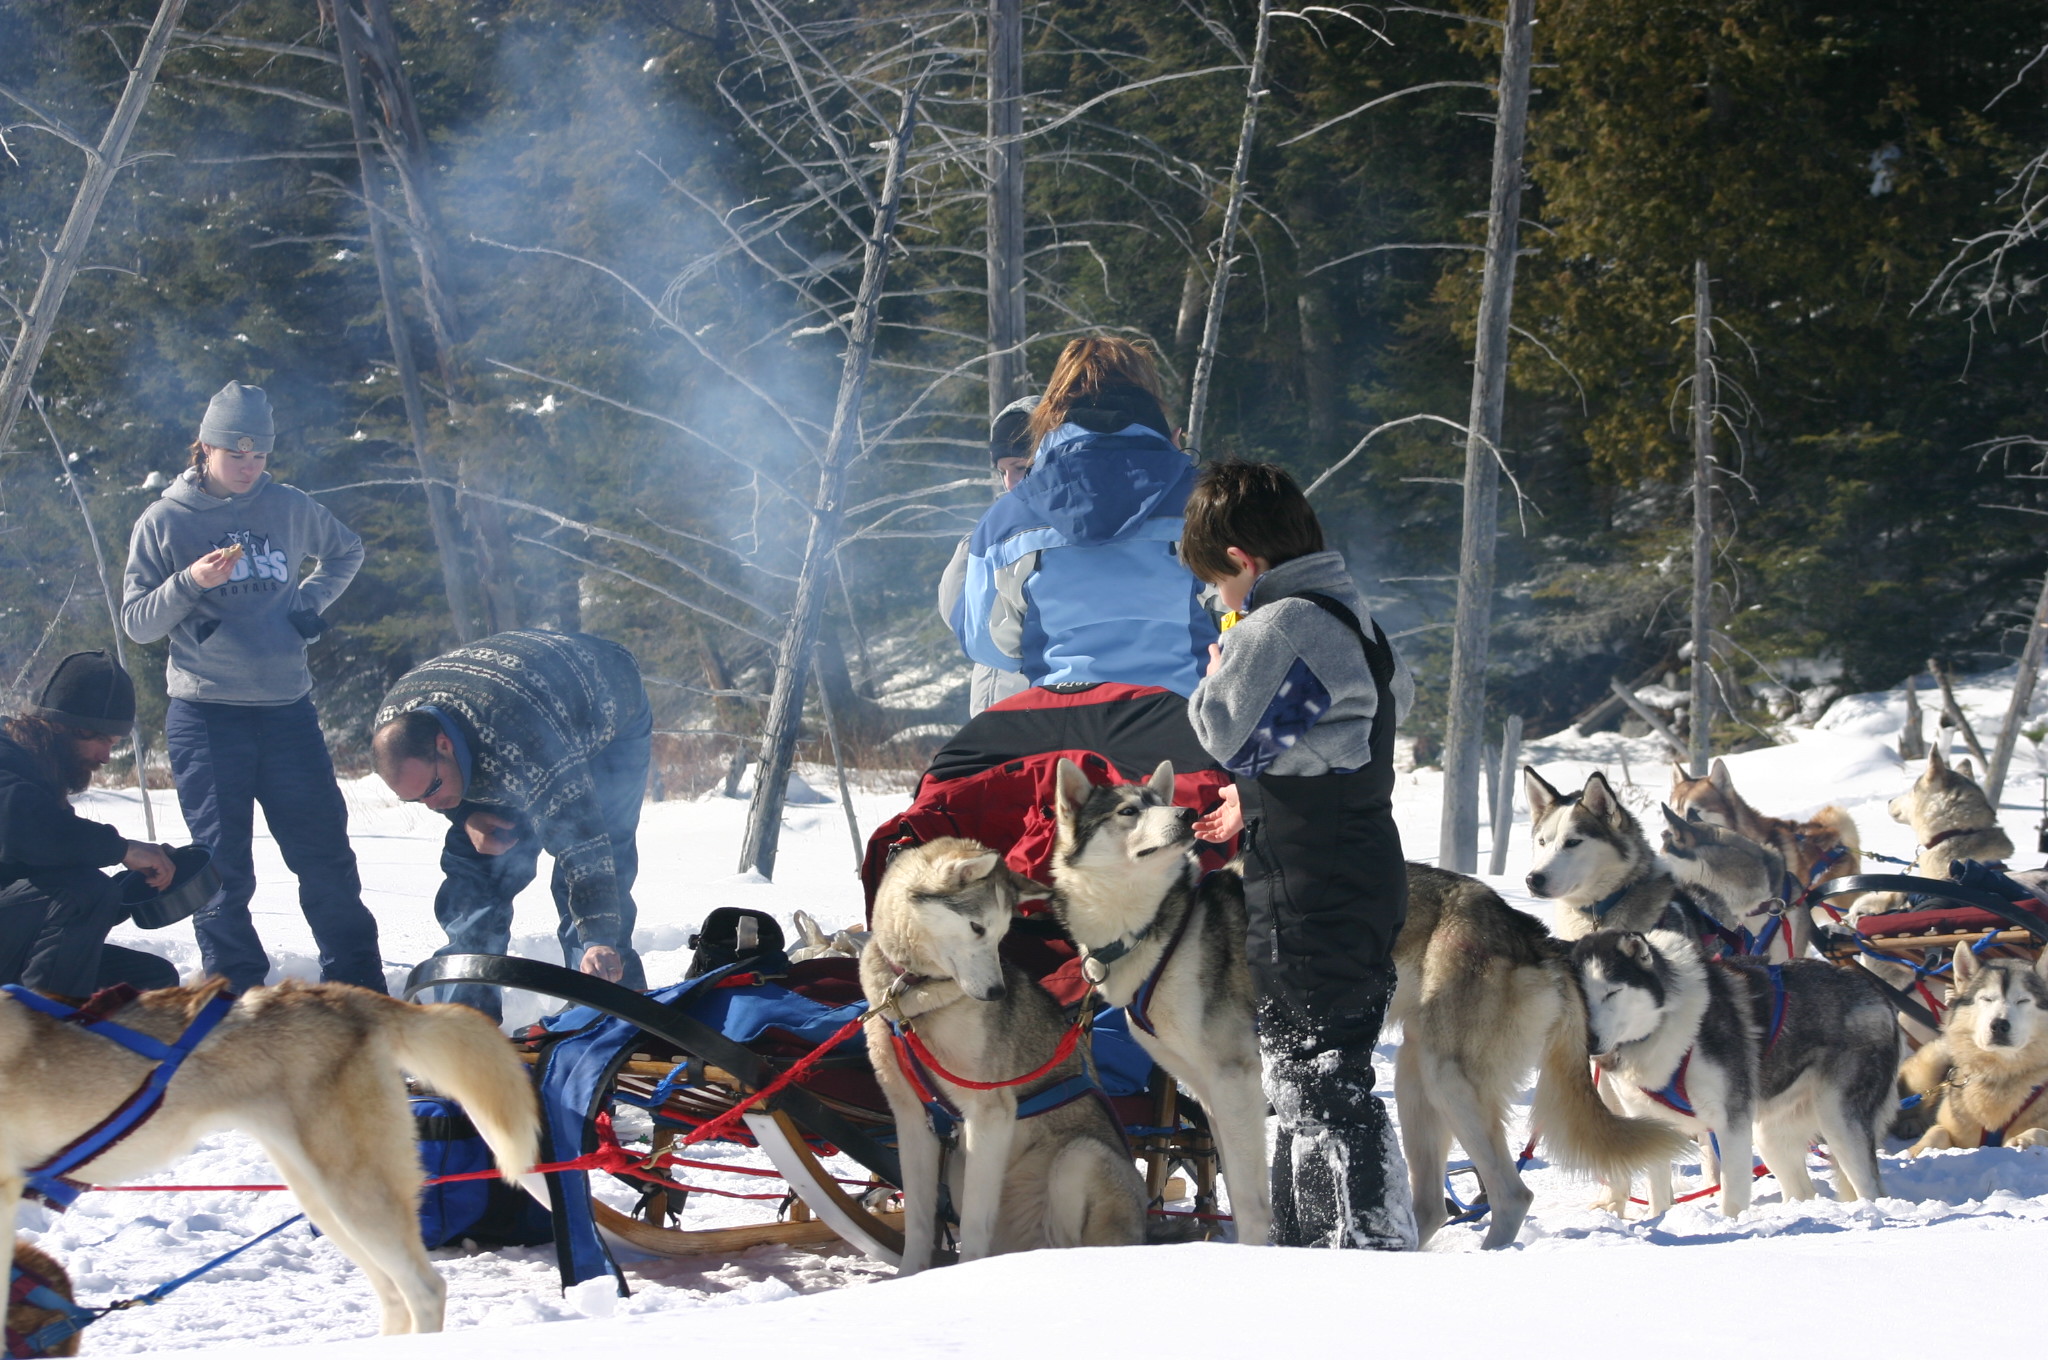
[756,1050]
[1911,950]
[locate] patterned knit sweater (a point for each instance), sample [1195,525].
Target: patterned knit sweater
[534,707]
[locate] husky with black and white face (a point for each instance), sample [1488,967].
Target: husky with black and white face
[1723,1050]
[1735,880]
[1592,858]
[1990,1068]
[1127,888]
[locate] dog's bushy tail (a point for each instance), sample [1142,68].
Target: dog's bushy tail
[458,1051]
[1580,1133]
[1842,824]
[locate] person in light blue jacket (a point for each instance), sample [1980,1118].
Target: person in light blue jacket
[1074,577]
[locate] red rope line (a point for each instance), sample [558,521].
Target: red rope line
[1060,1054]
[1759,1171]
[713,1128]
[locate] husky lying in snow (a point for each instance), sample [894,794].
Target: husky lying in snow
[1485,994]
[1126,887]
[1989,1069]
[1061,1178]
[1797,1049]
[312,1071]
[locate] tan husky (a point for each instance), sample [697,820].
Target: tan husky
[313,1072]
[1824,846]
[1989,1069]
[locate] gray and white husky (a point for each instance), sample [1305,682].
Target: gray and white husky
[1737,881]
[1062,1178]
[1794,1050]
[1128,890]
[1591,857]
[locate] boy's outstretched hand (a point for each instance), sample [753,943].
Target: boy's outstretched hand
[1228,818]
[1215,658]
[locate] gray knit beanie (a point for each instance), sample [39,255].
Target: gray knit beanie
[1007,435]
[238,418]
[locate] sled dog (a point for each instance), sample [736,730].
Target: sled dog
[1824,846]
[1058,1179]
[1951,819]
[1484,995]
[1128,891]
[1989,1069]
[1592,858]
[312,1071]
[1795,1050]
[1736,881]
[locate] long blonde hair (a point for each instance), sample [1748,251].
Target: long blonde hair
[1088,367]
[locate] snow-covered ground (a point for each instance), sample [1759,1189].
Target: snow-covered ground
[1543,1297]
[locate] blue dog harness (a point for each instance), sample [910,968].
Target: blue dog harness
[49,1181]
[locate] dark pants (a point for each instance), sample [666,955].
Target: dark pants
[1326,891]
[475,902]
[229,757]
[53,930]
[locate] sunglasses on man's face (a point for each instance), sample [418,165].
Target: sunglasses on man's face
[432,788]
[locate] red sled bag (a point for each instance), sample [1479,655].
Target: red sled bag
[995,781]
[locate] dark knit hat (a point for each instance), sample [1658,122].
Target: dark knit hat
[1007,437]
[239,418]
[88,690]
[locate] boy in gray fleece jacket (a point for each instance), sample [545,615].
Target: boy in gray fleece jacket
[1300,703]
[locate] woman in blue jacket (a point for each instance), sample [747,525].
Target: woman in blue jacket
[1075,576]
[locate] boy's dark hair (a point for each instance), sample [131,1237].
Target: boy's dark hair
[1253,507]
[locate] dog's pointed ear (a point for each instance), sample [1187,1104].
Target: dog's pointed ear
[2041,965]
[1966,963]
[971,869]
[1677,830]
[1680,776]
[1073,786]
[1637,947]
[1966,769]
[1027,889]
[1718,774]
[1161,782]
[1542,797]
[1936,766]
[1598,797]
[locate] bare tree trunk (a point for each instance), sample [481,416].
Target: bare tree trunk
[2022,698]
[1952,713]
[376,46]
[441,513]
[1704,396]
[1318,371]
[1458,841]
[1504,796]
[102,163]
[793,661]
[1009,376]
[1912,739]
[1226,238]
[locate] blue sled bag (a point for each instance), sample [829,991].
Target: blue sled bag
[487,1212]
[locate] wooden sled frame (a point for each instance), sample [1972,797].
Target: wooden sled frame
[822,1213]
[2023,937]
[827,1213]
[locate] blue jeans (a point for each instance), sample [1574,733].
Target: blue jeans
[229,757]
[53,931]
[474,904]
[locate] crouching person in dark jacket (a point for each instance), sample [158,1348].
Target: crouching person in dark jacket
[1300,704]
[528,741]
[56,907]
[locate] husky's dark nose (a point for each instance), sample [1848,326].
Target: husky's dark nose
[1536,882]
[1186,815]
[2001,1032]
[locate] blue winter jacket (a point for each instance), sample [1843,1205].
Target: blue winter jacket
[1076,575]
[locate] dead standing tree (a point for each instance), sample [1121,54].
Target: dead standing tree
[102,162]
[1465,732]
[1705,400]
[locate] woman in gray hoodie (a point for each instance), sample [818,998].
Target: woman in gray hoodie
[215,567]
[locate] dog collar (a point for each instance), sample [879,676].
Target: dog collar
[1095,962]
[1608,903]
[1941,836]
[905,979]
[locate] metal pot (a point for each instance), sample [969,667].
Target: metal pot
[195,881]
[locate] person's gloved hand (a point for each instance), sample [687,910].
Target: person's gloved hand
[309,623]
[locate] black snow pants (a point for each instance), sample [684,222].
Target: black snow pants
[1326,891]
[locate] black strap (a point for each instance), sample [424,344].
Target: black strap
[1946,889]
[1379,658]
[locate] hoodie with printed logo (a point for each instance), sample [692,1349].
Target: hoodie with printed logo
[235,643]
